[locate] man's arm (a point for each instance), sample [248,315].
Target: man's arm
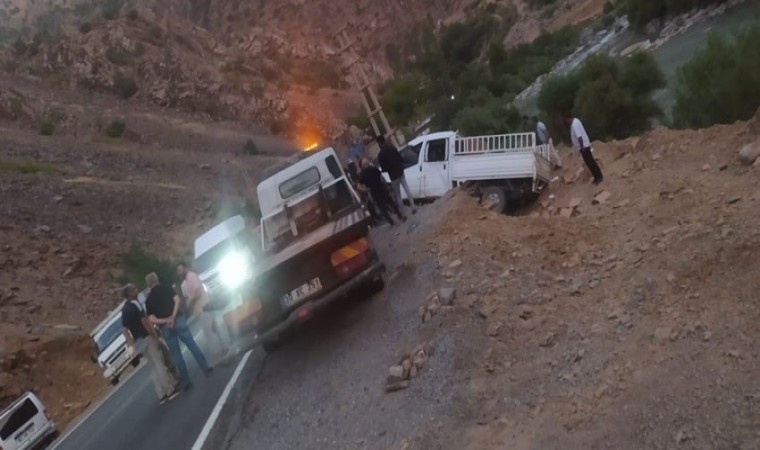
[128,336]
[148,326]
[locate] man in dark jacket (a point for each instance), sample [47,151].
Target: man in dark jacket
[391,161]
[371,181]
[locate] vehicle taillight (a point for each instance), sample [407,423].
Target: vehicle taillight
[351,258]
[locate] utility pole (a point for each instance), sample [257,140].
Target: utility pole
[373,109]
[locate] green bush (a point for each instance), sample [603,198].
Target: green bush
[137,262]
[118,56]
[111,9]
[614,100]
[721,84]
[250,148]
[641,12]
[399,99]
[116,129]
[47,127]
[125,85]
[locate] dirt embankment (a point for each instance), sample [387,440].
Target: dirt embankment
[71,205]
[631,324]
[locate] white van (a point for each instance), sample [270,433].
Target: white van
[113,354]
[25,424]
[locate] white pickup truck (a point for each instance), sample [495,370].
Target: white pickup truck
[506,168]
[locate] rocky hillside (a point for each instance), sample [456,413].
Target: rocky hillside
[270,63]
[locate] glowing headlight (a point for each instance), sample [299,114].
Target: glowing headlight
[234,269]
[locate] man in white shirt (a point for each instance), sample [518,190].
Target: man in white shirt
[580,140]
[195,293]
[542,133]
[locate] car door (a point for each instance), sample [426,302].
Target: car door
[435,174]
[412,169]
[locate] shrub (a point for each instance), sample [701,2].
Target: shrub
[116,129]
[250,147]
[20,47]
[614,100]
[118,56]
[85,28]
[721,84]
[136,263]
[124,85]
[47,127]
[13,165]
[641,12]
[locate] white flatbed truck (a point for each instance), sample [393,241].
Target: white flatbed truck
[505,168]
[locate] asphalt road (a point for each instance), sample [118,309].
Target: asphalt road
[131,417]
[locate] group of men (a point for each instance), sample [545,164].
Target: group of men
[370,182]
[578,139]
[156,327]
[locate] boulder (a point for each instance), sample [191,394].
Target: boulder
[749,153]
[447,295]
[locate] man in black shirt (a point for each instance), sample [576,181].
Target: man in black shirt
[391,161]
[371,180]
[163,310]
[140,333]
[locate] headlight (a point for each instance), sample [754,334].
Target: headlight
[234,269]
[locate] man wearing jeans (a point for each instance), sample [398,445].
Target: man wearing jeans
[580,140]
[162,308]
[391,161]
[141,335]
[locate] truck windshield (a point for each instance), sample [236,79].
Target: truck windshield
[108,335]
[411,155]
[310,213]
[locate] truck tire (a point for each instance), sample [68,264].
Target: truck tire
[496,197]
[135,361]
[114,381]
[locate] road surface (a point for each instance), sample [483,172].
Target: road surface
[131,417]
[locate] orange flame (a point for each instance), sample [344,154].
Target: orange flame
[311,147]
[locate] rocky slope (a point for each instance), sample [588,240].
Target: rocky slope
[270,63]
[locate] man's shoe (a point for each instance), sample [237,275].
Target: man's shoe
[598,180]
[174,394]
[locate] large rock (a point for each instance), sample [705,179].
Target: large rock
[749,153]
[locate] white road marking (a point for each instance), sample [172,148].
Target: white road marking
[122,382]
[220,404]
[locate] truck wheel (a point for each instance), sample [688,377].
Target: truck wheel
[114,381]
[496,198]
[136,361]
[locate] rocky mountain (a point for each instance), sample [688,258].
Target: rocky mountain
[274,63]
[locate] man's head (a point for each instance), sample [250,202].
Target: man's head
[182,270]
[568,116]
[151,280]
[380,139]
[535,120]
[365,163]
[129,291]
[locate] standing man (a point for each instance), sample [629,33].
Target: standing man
[371,181]
[580,140]
[139,333]
[163,310]
[391,161]
[542,133]
[195,293]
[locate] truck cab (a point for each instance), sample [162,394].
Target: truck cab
[315,248]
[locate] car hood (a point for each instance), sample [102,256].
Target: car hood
[112,348]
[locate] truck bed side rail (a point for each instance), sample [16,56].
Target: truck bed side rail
[516,142]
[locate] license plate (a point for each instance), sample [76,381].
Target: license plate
[25,435]
[301,292]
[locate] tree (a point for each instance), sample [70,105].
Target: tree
[721,84]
